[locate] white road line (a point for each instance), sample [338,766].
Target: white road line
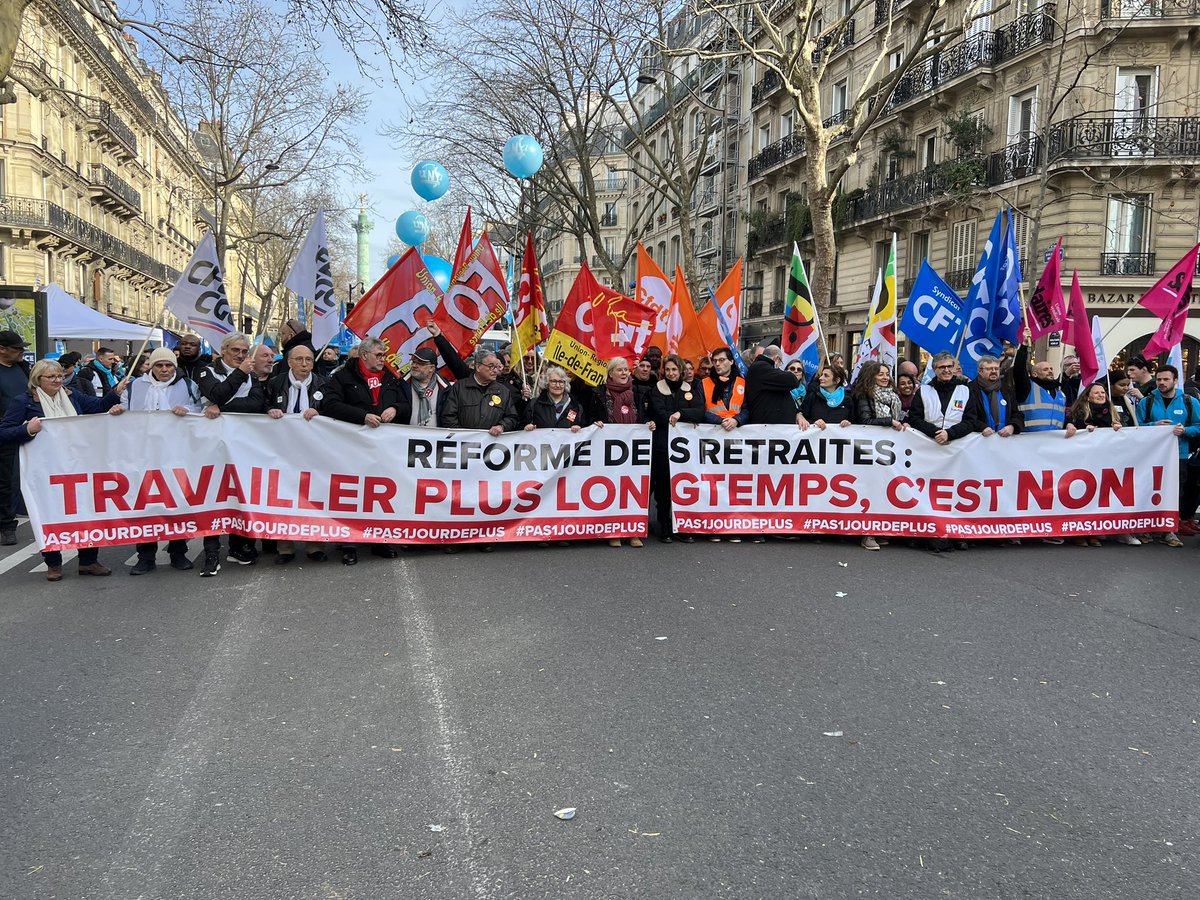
[136,870]
[17,557]
[457,769]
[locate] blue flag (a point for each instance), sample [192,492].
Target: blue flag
[727,335]
[981,299]
[933,317]
[1006,310]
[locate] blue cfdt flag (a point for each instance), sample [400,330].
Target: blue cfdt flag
[933,317]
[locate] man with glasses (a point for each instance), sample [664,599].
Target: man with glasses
[425,388]
[479,401]
[724,393]
[941,409]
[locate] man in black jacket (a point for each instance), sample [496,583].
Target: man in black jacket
[942,410]
[190,362]
[994,408]
[769,396]
[293,334]
[480,401]
[14,381]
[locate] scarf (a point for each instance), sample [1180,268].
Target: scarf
[622,409]
[423,414]
[298,398]
[106,376]
[834,398]
[157,393]
[560,407]
[374,381]
[57,407]
[887,403]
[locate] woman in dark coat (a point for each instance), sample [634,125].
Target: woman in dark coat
[554,407]
[672,400]
[875,403]
[48,399]
[624,404]
[829,401]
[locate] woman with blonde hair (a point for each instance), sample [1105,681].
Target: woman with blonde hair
[48,399]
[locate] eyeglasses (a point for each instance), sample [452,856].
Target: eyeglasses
[53,377]
[943,368]
[555,381]
[239,351]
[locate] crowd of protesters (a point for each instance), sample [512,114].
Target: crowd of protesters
[496,393]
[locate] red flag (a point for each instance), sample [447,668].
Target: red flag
[653,288]
[622,326]
[477,298]
[1169,299]
[1081,337]
[729,301]
[683,328]
[529,316]
[1047,311]
[572,342]
[397,307]
[463,251]
[1075,328]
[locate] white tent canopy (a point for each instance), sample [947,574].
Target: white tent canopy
[71,320]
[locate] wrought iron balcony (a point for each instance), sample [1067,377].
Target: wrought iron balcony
[845,38]
[884,7]
[1126,263]
[1016,161]
[1148,9]
[774,154]
[1121,136]
[754,309]
[41,215]
[112,190]
[836,119]
[911,190]
[1028,31]
[765,87]
[549,268]
[776,308]
[608,221]
[771,234]
[103,121]
[959,279]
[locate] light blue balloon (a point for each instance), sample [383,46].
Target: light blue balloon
[392,260]
[430,180]
[522,156]
[412,228]
[440,269]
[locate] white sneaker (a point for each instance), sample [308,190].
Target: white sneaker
[869,543]
[1128,540]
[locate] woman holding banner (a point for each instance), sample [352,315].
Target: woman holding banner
[554,406]
[829,402]
[1091,411]
[48,399]
[875,403]
[672,401]
[623,405]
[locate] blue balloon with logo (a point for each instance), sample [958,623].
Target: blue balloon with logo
[440,269]
[430,180]
[412,228]
[522,156]
[392,260]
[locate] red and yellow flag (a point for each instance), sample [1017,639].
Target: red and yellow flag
[529,316]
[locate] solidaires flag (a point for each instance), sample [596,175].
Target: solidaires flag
[801,329]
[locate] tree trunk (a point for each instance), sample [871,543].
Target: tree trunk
[11,14]
[820,205]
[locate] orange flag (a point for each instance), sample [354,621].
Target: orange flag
[684,335]
[710,331]
[653,289]
[729,300]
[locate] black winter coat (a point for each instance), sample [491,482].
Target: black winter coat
[687,399]
[348,398]
[540,412]
[279,391]
[769,394]
[221,392]
[815,407]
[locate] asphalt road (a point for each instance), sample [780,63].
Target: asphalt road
[1001,723]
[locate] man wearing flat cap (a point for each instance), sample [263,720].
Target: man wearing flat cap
[425,388]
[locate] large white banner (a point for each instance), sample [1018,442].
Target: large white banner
[867,480]
[325,480]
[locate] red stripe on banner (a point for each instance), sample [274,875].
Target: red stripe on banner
[71,535]
[993,528]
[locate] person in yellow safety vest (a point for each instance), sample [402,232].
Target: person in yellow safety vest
[725,393]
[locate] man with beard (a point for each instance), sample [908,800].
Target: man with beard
[1041,397]
[479,401]
[994,408]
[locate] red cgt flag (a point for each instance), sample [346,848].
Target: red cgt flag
[622,326]
[476,300]
[397,307]
[463,252]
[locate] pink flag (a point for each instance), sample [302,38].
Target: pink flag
[1169,299]
[1078,333]
[1047,310]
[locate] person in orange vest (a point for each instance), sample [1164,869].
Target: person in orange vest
[725,393]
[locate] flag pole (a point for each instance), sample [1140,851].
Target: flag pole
[146,342]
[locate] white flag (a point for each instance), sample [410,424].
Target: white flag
[311,277]
[866,346]
[198,298]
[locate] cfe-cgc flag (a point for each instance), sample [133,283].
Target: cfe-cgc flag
[311,277]
[476,300]
[653,288]
[1169,300]
[1047,309]
[933,317]
[397,308]
[801,336]
[198,298]
[529,317]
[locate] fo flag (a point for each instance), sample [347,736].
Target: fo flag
[397,308]
[801,329]
[476,300]
[1047,309]
[311,277]
[933,317]
[1170,299]
[198,298]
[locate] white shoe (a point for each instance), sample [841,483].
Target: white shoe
[869,543]
[1128,540]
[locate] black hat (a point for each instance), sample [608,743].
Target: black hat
[12,339]
[425,355]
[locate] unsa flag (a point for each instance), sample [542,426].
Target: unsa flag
[198,298]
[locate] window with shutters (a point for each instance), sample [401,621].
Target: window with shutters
[1020,226]
[962,246]
[1022,116]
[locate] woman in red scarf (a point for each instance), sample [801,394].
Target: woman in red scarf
[623,406]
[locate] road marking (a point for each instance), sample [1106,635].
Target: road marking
[457,768]
[161,821]
[17,557]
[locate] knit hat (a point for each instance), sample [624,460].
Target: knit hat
[162,354]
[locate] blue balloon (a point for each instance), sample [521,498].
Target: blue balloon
[441,270]
[392,260]
[430,180]
[522,156]
[412,228]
